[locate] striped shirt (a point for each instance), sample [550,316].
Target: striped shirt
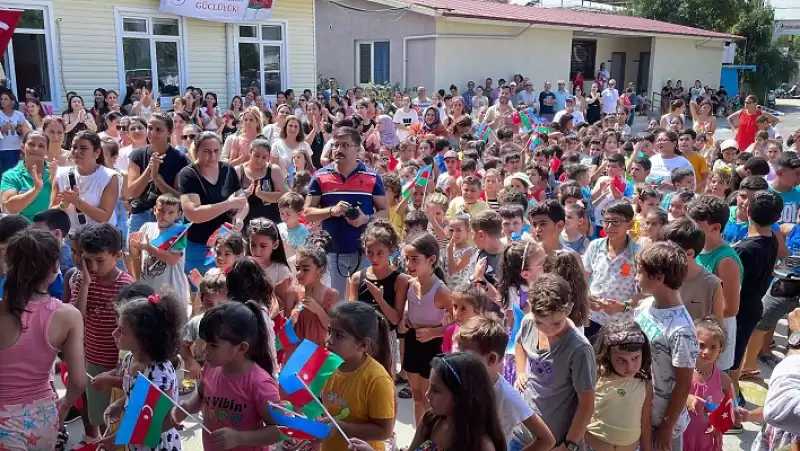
[101,320]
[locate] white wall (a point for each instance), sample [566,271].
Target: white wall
[540,54]
[685,59]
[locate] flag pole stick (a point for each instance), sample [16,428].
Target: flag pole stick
[425,194]
[324,409]
[287,411]
[176,404]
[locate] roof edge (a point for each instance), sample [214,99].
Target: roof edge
[718,36]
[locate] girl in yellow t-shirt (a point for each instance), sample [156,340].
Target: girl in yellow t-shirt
[360,394]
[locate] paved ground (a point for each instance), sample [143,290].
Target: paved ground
[405,427]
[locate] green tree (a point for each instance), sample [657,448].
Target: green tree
[751,19]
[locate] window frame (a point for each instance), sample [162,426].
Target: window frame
[53,63]
[121,13]
[283,44]
[372,60]
[592,44]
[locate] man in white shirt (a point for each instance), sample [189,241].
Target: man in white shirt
[499,116]
[528,96]
[421,102]
[610,95]
[569,107]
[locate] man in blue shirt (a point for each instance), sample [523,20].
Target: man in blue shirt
[344,196]
[561,95]
[468,95]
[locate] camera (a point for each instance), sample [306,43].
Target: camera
[353,212]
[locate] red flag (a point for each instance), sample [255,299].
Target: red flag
[9,18]
[722,417]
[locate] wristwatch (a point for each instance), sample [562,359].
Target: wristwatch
[571,446]
[794,340]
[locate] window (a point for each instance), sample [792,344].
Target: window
[372,62]
[151,46]
[27,61]
[583,56]
[261,58]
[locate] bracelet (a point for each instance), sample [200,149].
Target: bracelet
[627,306]
[330,211]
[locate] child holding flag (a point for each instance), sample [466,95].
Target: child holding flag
[161,244]
[149,328]
[360,393]
[236,385]
[710,388]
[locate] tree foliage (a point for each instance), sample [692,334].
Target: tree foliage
[751,19]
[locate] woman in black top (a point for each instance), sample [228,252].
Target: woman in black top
[593,107]
[264,183]
[209,193]
[317,131]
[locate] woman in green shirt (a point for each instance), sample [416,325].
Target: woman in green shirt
[25,188]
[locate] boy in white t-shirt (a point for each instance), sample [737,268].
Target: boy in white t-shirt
[661,269]
[486,337]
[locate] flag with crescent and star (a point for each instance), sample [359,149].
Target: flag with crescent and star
[722,418]
[144,415]
[315,365]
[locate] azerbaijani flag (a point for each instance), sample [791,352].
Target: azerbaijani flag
[212,240]
[420,180]
[298,428]
[285,335]
[168,238]
[144,416]
[314,365]
[483,131]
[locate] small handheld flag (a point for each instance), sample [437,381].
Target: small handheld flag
[169,237]
[722,418]
[483,131]
[285,335]
[144,416]
[298,428]
[314,365]
[324,410]
[421,179]
[212,240]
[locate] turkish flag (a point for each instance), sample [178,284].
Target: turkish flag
[9,18]
[722,417]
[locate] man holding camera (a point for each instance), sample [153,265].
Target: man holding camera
[344,196]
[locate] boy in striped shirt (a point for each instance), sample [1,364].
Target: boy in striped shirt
[95,288]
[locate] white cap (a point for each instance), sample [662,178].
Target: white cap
[729,144]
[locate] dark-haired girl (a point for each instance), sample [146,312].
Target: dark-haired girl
[34,327]
[360,393]
[462,413]
[77,120]
[236,386]
[623,393]
[149,328]
[262,180]
[428,300]
[88,191]
[267,249]
[315,299]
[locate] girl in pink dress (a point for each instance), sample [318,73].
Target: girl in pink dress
[709,385]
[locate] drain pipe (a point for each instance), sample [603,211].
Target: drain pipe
[451,35]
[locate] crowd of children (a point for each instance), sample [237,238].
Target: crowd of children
[589,293]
